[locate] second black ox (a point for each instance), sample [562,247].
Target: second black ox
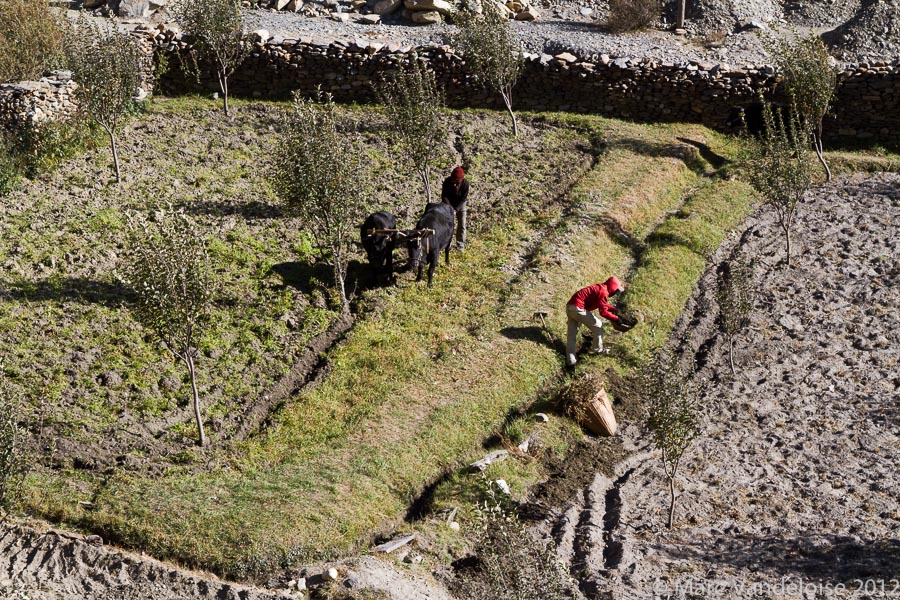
[434,231]
[379,246]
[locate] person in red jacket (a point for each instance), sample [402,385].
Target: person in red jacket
[579,311]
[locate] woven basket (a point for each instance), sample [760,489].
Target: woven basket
[599,416]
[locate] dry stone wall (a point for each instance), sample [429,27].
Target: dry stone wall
[865,109]
[34,102]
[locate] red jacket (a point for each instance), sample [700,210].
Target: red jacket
[595,297]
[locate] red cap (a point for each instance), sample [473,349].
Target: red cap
[457,174]
[613,285]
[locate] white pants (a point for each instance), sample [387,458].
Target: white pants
[578,316]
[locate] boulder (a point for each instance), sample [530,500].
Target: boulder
[387,7]
[294,5]
[529,13]
[131,9]
[369,19]
[260,36]
[280,4]
[340,17]
[441,6]
[425,17]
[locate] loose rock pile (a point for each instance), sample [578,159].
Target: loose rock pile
[423,12]
[873,32]
[33,102]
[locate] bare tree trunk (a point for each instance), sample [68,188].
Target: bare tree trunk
[223,87]
[115,153]
[427,181]
[817,142]
[787,239]
[671,501]
[679,19]
[189,359]
[339,279]
[731,354]
[507,100]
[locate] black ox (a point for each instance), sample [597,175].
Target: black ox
[433,233]
[379,247]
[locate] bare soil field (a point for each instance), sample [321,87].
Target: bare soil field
[791,489]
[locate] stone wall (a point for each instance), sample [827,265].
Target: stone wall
[865,108]
[34,102]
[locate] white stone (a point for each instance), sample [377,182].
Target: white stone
[260,35]
[504,487]
[565,57]
[541,418]
[441,6]
[281,4]
[340,17]
[332,574]
[370,20]
[454,525]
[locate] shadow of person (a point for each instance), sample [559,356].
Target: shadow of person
[536,334]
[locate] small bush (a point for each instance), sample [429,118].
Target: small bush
[30,39]
[513,564]
[632,15]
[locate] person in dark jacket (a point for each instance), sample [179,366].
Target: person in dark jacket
[455,192]
[579,311]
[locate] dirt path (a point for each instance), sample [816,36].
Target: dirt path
[791,490]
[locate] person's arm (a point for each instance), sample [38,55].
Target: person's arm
[607,310]
[463,191]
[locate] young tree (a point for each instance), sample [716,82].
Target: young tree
[779,166]
[170,276]
[107,66]
[671,397]
[492,52]
[322,177]
[217,29]
[12,462]
[31,39]
[413,102]
[734,294]
[810,81]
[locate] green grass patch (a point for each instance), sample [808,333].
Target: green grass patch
[418,384]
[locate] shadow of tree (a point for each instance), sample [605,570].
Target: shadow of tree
[85,291]
[716,160]
[825,557]
[688,151]
[248,210]
[303,276]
